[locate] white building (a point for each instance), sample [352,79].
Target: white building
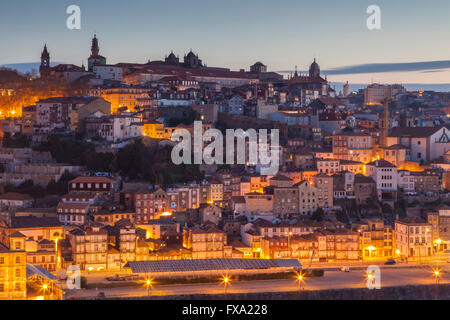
[406,182]
[108,72]
[66,112]
[114,128]
[353,146]
[221,77]
[385,176]
[328,166]
[425,143]
[15,200]
[413,238]
[234,105]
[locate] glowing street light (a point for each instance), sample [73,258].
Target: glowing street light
[437,275]
[44,289]
[149,285]
[370,278]
[226,280]
[438,244]
[299,278]
[371,249]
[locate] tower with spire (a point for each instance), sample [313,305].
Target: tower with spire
[346,89]
[95,58]
[384,124]
[44,68]
[95,50]
[314,70]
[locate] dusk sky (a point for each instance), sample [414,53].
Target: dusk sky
[237,33]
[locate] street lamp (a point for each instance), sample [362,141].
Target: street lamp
[226,282]
[299,278]
[44,290]
[289,243]
[438,243]
[149,285]
[370,279]
[436,274]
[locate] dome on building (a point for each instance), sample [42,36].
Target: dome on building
[314,70]
[191,60]
[258,67]
[171,55]
[172,58]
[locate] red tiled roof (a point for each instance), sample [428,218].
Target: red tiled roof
[15,196]
[415,132]
[329,101]
[66,68]
[381,164]
[66,100]
[17,234]
[86,179]
[187,72]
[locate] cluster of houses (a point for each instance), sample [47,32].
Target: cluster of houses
[351,147]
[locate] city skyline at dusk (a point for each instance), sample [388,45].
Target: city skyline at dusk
[280,36]
[256,154]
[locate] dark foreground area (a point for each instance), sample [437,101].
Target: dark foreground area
[416,292]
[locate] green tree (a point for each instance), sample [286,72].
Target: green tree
[318,215]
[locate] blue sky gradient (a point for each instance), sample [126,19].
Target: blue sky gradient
[235,34]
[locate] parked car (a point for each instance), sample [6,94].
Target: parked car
[116,278]
[345,269]
[101,295]
[390,262]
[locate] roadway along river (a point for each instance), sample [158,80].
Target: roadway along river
[331,280]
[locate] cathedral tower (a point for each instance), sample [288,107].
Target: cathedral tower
[314,70]
[44,68]
[95,58]
[384,124]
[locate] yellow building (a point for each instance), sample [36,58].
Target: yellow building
[376,240]
[33,228]
[126,97]
[13,272]
[111,217]
[28,119]
[154,130]
[159,131]
[205,243]
[258,183]
[259,202]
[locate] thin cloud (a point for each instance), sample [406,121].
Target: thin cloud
[426,66]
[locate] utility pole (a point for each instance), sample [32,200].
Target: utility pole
[384,128]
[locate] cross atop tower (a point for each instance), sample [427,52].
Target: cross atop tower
[95,49]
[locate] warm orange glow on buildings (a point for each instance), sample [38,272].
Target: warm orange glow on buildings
[412,166]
